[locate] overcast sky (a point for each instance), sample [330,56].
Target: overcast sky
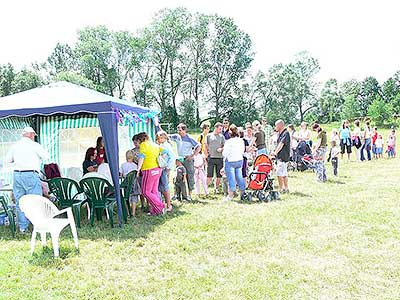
[351,39]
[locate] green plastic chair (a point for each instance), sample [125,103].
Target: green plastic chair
[67,191]
[126,189]
[100,195]
[7,211]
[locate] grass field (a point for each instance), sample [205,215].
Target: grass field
[338,240]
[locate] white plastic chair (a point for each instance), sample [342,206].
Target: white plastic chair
[41,212]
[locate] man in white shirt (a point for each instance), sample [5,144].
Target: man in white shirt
[26,155]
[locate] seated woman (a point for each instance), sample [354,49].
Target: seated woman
[101,152]
[305,134]
[90,164]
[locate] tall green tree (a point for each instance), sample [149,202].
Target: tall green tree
[229,55]
[244,106]
[142,76]
[350,109]
[370,90]
[330,102]
[7,76]
[62,59]
[27,79]
[294,88]
[187,113]
[380,111]
[194,87]
[168,36]
[390,89]
[94,55]
[123,59]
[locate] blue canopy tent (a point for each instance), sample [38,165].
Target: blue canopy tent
[68,100]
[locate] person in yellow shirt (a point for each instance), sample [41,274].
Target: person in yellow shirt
[151,172]
[202,138]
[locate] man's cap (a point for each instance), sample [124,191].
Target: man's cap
[28,129]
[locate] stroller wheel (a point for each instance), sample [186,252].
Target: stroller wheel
[269,198]
[249,197]
[244,197]
[274,195]
[262,197]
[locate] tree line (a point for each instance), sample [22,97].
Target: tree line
[193,66]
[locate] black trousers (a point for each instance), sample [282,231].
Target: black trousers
[335,165]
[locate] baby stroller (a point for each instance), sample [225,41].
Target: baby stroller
[302,159]
[261,183]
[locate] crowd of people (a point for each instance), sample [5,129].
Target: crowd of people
[219,159]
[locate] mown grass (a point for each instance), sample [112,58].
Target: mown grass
[338,240]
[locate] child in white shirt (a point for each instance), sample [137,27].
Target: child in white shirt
[334,156]
[379,146]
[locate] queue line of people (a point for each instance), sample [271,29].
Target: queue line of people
[222,156]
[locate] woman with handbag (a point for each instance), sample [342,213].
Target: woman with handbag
[166,162]
[356,137]
[151,172]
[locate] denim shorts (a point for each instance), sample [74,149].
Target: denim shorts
[163,185]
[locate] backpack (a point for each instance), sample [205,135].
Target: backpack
[52,171]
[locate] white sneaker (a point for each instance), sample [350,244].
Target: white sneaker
[228,198]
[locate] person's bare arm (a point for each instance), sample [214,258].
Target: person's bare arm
[206,148]
[196,151]
[278,148]
[140,163]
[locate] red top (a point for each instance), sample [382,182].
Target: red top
[374,137]
[100,156]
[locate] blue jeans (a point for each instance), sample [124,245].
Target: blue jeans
[261,151]
[366,146]
[233,171]
[25,183]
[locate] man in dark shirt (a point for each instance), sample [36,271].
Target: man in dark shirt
[225,129]
[282,154]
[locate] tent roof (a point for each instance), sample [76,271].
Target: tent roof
[62,98]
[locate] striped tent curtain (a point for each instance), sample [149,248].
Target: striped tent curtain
[15,122]
[50,130]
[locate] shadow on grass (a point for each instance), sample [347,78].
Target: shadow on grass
[299,194]
[45,257]
[136,227]
[335,181]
